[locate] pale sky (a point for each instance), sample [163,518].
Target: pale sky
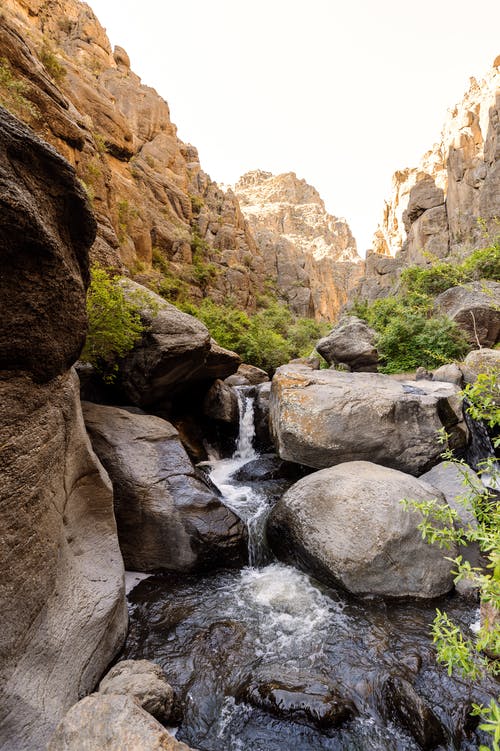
[342,93]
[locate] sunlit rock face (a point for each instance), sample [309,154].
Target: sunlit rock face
[147,188]
[449,204]
[311,254]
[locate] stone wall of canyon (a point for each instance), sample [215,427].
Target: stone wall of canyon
[449,204]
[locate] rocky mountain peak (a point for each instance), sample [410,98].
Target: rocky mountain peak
[311,253]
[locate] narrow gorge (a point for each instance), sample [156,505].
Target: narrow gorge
[249,481]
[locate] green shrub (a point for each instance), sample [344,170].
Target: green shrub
[52,64]
[267,339]
[480,264]
[114,322]
[13,92]
[409,335]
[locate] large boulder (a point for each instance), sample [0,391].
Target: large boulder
[346,524]
[174,353]
[173,346]
[46,229]
[322,418]
[221,403]
[64,614]
[475,307]
[110,723]
[145,682]
[167,517]
[351,342]
[460,485]
[481,361]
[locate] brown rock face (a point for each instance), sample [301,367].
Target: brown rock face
[62,593]
[44,241]
[311,254]
[147,187]
[450,204]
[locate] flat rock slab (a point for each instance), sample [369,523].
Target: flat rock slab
[322,418]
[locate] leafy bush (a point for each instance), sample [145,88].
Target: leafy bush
[52,64]
[114,323]
[409,335]
[267,339]
[13,91]
[470,658]
[481,264]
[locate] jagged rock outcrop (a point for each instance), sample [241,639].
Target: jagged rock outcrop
[153,202]
[449,204]
[311,254]
[62,591]
[347,524]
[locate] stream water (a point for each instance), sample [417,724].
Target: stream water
[268,659]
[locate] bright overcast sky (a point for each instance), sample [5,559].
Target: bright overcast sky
[342,93]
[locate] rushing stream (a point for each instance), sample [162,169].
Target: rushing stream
[268,659]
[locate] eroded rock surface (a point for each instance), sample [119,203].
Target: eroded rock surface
[145,682]
[166,516]
[322,418]
[347,524]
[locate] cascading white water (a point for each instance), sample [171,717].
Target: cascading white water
[250,505]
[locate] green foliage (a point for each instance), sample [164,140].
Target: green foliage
[13,91]
[409,335]
[467,657]
[481,264]
[114,323]
[267,339]
[126,215]
[52,64]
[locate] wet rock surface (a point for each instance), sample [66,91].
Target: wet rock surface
[166,516]
[294,653]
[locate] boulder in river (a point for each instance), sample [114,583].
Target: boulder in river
[347,524]
[351,342]
[322,418]
[144,681]
[110,722]
[167,517]
[481,361]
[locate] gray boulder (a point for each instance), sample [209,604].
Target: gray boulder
[322,418]
[110,723]
[475,307]
[459,485]
[351,342]
[221,403]
[145,682]
[346,524]
[261,415]
[480,361]
[253,375]
[220,363]
[173,346]
[167,517]
[449,373]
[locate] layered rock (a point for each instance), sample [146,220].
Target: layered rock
[449,204]
[311,254]
[347,524]
[322,418]
[149,193]
[167,517]
[62,594]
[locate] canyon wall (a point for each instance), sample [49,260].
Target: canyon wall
[450,204]
[311,254]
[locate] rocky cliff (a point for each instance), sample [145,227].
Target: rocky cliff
[311,254]
[450,203]
[62,592]
[156,209]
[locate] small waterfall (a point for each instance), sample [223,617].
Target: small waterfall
[481,449]
[246,435]
[250,505]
